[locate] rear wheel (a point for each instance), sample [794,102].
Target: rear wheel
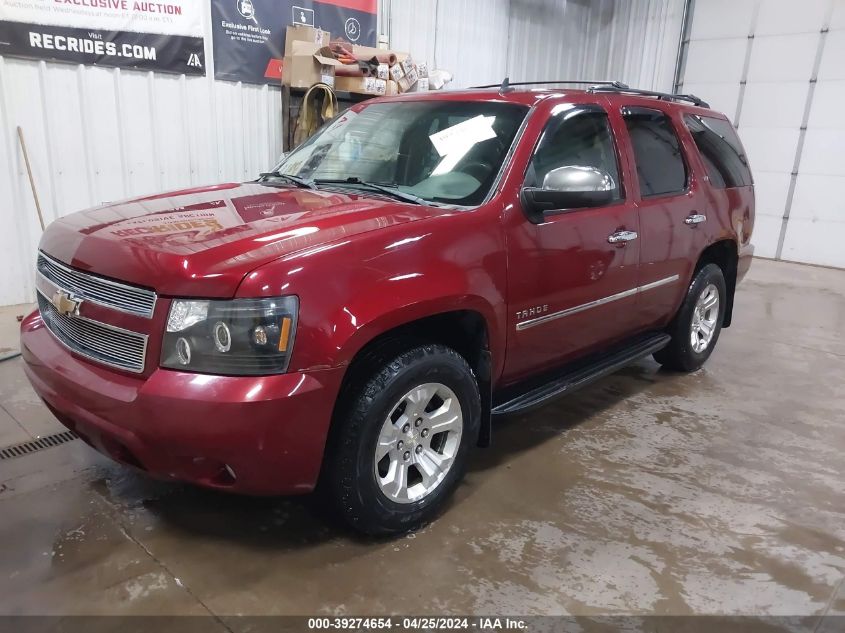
[402,445]
[696,328]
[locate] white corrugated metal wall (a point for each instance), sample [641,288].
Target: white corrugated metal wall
[482,41]
[101,134]
[96,134]
[776,69]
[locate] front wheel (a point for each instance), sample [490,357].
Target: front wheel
[402,446]
[697,325]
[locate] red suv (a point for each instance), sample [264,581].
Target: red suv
[356,317]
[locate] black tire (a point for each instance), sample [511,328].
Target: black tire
[349,479]
[680,355]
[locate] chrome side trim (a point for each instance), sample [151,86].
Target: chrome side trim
[658,283]
[524,325]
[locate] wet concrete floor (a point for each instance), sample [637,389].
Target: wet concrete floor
[650,492]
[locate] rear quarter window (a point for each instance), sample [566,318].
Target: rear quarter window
[721,151]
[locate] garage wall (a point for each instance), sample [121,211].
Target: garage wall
[467,37]
[777,69]
[100,134]
[97,134]
[483,41]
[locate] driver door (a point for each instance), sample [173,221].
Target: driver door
[571,282]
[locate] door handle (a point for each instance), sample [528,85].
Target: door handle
[695,218]
[620,237]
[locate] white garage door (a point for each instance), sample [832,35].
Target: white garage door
[777,68]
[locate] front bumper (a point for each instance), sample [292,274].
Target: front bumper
[256,435]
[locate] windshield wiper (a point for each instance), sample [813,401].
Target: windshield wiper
[390,190]
[305,183]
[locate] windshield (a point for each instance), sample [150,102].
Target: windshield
[440,151]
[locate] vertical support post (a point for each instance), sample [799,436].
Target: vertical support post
[286,126]
[799,149]
[744,79]
[683,45]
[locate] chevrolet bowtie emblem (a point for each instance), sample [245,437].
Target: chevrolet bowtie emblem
[66,305]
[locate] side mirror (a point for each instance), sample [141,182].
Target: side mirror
[570,187]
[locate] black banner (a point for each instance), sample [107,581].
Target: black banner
[123,49]
[249,35]
[490,623]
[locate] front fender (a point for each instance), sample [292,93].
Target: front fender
[353,290]
[375,324]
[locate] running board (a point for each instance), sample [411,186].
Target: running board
[580,374]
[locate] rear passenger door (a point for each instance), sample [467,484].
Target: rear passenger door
[671,209]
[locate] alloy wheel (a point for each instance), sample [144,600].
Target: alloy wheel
[418,442]
[704,318]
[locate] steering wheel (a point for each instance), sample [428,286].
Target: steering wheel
[478,169]
[481,169]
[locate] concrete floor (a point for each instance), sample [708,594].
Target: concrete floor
[719,492]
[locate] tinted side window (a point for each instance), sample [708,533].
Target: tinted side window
[721,151]
[579,137]
[657,151]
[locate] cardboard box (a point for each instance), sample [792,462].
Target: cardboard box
[408,65]
[383,71]
[422,84]
[396,72]
[422,70]
[392,88]
[438,78]
[309,64]
[361,85]
[407,82]
[302,33]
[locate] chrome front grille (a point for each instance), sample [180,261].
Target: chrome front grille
[103,343]
[108,293]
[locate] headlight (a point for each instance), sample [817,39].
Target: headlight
[238,337]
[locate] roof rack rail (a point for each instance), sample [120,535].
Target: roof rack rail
[506,85]
[664,96]
[603,85]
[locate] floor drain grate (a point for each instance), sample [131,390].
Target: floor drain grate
[33,446]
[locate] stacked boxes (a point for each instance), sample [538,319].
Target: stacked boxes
[310,57]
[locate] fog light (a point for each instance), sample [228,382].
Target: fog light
[222,337]
[183,351]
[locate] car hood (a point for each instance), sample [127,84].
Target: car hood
[202,242]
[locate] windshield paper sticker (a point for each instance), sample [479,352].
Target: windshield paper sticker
[460,137]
